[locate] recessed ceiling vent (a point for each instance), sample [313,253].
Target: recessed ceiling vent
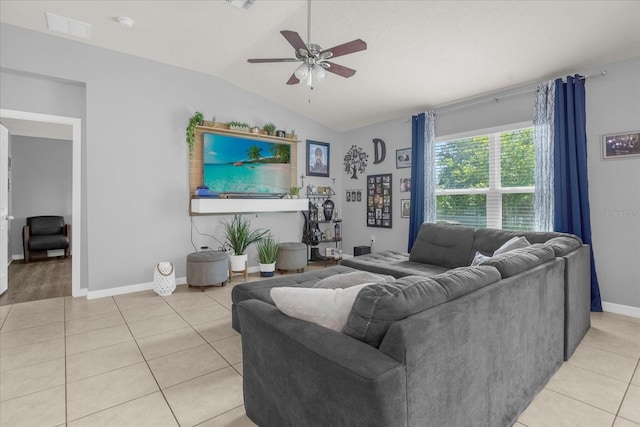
[69,26]
[241,4]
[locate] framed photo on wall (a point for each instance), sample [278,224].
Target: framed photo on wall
[403,158]
[405,208]
[379,201]
[318,158]
[621,145]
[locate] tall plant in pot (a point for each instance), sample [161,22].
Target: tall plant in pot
[239,236]
[267,253]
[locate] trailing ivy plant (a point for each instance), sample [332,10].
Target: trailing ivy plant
[191,130]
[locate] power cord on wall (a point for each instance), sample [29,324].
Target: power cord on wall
[223,246]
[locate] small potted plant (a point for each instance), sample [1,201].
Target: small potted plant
[269,128]
[295,191]
[239,236]
[267,253]
[191,130]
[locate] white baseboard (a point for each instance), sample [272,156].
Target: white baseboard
[51,254]
[626,310]
[127,289]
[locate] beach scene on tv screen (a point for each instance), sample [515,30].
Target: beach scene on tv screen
[234,164]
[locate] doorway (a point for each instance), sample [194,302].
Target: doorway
[72,126]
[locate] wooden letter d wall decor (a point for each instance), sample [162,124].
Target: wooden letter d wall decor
[379,150]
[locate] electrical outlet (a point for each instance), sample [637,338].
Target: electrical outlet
[373,238]
[204,248]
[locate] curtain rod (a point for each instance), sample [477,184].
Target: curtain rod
[498,98]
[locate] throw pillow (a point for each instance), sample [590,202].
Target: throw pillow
[511,244]
[329,308]
[351,279]
[478,258]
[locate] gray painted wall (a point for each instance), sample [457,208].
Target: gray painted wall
[136,160]
[41,184]
[613,105]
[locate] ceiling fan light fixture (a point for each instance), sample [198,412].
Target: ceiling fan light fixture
[302,72]
[318,72]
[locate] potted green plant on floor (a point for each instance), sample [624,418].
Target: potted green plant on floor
[239,235]
[267,253]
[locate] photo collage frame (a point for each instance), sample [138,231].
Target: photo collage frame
[379,201]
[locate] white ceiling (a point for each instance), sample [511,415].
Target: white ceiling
[421,54]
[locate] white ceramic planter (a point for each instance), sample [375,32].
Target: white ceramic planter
[238,262]
[267,270]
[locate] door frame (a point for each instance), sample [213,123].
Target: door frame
[76,186]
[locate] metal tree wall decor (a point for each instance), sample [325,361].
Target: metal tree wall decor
[355,161]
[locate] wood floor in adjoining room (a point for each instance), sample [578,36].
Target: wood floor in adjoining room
[39,279]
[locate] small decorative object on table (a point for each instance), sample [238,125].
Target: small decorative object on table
[164,279]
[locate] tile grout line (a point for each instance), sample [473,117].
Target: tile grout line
[147,363]
[579,401]
[627,391]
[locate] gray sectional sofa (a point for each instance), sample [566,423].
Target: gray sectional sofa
[446,344]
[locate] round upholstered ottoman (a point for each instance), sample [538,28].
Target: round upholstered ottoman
[291,256]
[207,268]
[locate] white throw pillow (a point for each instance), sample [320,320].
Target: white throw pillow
[326,307]
[354,278]
[478,258]
[511,244]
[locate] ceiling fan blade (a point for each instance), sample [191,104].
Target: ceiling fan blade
[346,48]
[294,39]
[293,80]
[258,60]
[340,70]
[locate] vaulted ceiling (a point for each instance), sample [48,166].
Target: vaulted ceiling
[420,54]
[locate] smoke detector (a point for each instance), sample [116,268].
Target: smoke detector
[125,21]
[241,4]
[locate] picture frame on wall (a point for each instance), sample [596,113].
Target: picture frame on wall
[403,158]
[318,158]
[621,145]
[405,185]
[379,212]
[405,208]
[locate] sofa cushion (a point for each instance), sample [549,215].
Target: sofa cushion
[377,306]
[445,245]
[563,245]
[519,260]
[351,279]
[325,307]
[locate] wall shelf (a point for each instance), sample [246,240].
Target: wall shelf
[206,206]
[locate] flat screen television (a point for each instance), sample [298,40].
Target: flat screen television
[245,166]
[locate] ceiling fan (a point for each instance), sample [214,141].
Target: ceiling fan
[315,60]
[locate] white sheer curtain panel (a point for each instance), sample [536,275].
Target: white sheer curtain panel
[543,142]
[430,166]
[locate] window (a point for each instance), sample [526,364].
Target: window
[487,179]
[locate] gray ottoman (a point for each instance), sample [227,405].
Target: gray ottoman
[291,256]
[207,268]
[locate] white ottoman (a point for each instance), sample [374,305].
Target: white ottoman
[207,268]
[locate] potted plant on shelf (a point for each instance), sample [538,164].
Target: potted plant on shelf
[239,236]
[191,130]
[267,253]
[269,128]
[295,191]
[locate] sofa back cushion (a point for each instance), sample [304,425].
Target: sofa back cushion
[518,260]
[377,306]
[564,244]
[443,244]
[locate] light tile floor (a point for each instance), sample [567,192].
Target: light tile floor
[144,360]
